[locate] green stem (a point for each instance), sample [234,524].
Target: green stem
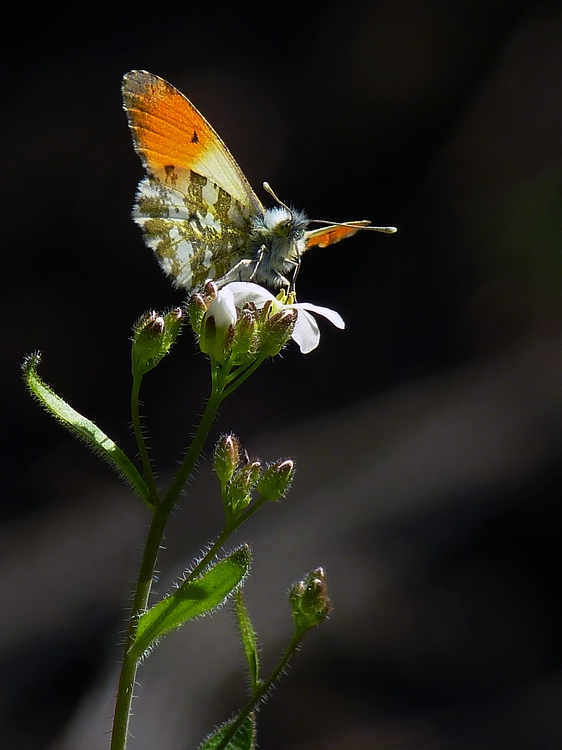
[221,540]
[141,444]
[209,555]
[239,378]
[261,692]
[249,511]
[140,603]
[146,575]
[195,449]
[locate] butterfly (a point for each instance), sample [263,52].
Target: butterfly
[196,208]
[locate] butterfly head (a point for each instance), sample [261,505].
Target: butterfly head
[286,223]
[276,244]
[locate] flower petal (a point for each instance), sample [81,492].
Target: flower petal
[306,332]
[223,309]
[331,315]
[246,291]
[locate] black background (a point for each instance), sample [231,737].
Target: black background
[443,119]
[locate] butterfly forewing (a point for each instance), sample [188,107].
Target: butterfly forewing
[195,205]
[170,134]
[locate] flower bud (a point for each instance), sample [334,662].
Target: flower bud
[245,334]
[153,336]
[217,327]
[173,322]
[210,290]
[197,307]
[276,480]
[226,458]
[309,600]
[276,331]
[237,494]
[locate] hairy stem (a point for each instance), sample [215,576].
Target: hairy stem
[141,444]
[146,574]
[262,691]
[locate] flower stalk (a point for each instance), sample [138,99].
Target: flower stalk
[238,327]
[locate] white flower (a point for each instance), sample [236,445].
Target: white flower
[217,326]
[306,332]
[223,309]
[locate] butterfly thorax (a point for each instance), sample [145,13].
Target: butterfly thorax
[276,243]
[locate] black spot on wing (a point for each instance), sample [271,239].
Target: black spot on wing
[171,175]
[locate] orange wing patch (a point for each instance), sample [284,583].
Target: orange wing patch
[167,131]
[172,137]
[334,233]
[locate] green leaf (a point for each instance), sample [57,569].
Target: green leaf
[249,640]
[244,739]
[191,599]
[82,428]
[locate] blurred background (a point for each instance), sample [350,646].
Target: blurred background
[427,434]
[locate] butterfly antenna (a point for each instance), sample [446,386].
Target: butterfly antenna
[268,189]
[355,225]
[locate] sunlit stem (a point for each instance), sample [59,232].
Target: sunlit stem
[146,575]
[262,691]
[238,377]
[249,511]
[195,448]
[141,444]
[223,384]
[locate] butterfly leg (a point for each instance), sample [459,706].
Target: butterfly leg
[295,274]
[257,262]
[263,270]
[244,270]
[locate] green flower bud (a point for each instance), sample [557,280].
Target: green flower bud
[276,480]
[276,331]
[245,334]
[173,321]
[309,600]
[153,336]
[237,494]
[197,307]
[226,458]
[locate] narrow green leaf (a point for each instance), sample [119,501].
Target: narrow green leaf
[244,739]
[82,428]
[249,640]
[192,598]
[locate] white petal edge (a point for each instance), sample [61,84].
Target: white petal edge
[330,315]
[306,332]
[246,291]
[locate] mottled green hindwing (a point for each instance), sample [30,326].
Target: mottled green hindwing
[198,233]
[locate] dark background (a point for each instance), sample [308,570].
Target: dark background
[444,119]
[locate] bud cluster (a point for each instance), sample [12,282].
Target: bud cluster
[228,333]
[153,336]
[240,477]
[309,600]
